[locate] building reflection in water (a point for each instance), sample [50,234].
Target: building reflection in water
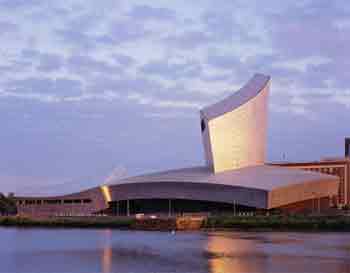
[107,252]
[276,252]
[227,253]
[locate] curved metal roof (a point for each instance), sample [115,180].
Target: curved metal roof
[259,177]
[243,95]
[258,186]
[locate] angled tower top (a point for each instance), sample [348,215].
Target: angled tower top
[240,97]
[234,129]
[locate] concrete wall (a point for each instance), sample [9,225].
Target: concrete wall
[61,208]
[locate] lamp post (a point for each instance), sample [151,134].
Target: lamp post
[234,208]
[317,199]
[313,202]
[169,213]
[128,207]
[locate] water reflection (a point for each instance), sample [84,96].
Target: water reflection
[277,252]
[233,254]
[106,259]
[107,251]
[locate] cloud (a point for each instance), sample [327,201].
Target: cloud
[124,85]
[126,32]
[119,60]
[168,115]
[29,54]
[342,24]
[18,3]
[224,62]
[44,62]
[342,98]
[131,91]
[163,68]
[222,26]
[77,38]
[50,62]
[307,29]
[124,60]
[145,12]
[115,46]
[188,40]
[83,64]
[35,86]
[163,103]
[8,27]
[302,64]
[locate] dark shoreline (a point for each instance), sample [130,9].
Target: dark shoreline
[216,223]
[66,222]
[279,223]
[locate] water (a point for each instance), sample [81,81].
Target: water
[92,251]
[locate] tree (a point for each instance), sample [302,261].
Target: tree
[7,205]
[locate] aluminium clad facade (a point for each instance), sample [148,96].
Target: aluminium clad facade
[234,139]
[234,130]
[262,187]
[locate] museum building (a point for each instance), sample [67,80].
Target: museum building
[235,178]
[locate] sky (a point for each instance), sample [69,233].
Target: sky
[94,90]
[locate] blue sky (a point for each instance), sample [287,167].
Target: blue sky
[91,90]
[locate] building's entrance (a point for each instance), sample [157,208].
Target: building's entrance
[173,207]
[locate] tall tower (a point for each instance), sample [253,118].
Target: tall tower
[234,130]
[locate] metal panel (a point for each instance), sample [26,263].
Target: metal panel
[235,134]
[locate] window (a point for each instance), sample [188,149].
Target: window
[202,125]
[52,201]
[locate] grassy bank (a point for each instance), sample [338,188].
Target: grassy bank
[280,223]
[68,222]
[252,223]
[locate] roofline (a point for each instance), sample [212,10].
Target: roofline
[258,83]
[309,163]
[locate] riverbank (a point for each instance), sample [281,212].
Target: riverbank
[131,223]
[251,223]
[68,222]
[279,223]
